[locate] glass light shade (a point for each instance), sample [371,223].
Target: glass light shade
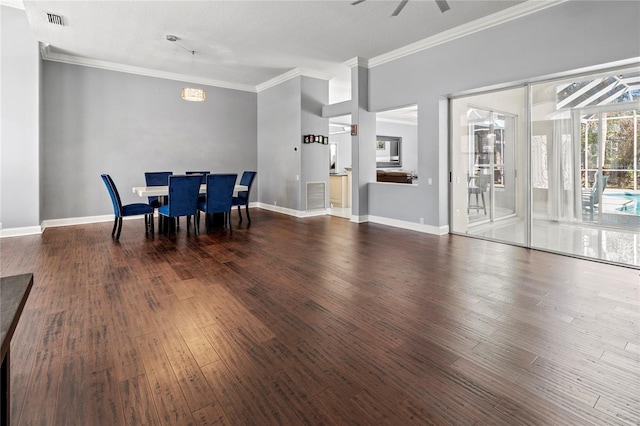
[191,94]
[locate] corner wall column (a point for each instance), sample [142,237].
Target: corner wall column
[363,151]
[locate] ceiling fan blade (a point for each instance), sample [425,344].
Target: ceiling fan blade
[442,4]
[402,4]
[357,2]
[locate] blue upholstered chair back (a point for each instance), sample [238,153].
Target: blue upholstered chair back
[246,179]
[183,195]
[156,179]
[204,174]
[220,192]
[113,193]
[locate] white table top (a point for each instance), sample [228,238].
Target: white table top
[159,191]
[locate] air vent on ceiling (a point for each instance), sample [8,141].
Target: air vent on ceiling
[55,19]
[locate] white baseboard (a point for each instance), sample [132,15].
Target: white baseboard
[427,229]
[292,212]
[52,223]
[19,232]
[360,219]
[34,230]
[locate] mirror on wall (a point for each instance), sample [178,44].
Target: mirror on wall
[397,140]
[388,151]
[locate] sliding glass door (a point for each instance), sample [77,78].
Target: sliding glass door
[553,165]
[487,194]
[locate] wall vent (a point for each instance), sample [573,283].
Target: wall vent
[315,195]
[55,19]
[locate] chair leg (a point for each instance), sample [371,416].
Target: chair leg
[483,204]
[119,228]
[239,214]
[171,227]
[115,225]
[247,210]
[228,218]
[151,225]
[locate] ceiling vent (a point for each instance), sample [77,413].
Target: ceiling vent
[55,19]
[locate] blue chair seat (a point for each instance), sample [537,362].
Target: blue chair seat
[136,209]
[121,211]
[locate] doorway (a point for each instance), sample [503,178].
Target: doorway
[340,166]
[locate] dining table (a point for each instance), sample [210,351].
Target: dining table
[163,191]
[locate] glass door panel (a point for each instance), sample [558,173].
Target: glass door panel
[487,197]
[491,173]
[609,150]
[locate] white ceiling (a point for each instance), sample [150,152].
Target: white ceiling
[243,44]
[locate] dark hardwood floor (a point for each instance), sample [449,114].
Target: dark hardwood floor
[317,321]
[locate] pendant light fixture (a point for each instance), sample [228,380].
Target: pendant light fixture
[190,93]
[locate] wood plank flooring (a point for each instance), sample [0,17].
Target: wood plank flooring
[317,321]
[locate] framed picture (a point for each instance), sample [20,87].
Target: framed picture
[380,145]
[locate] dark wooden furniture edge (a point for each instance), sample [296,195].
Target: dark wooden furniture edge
[14,291]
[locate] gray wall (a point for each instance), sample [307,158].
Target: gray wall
[20,109]
[315,156]
[98,121]
[566,37]
[279,133]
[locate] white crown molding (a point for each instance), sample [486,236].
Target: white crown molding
[515,12]
[506,15]
[357,61]
[16,4]
[48,55]
[296,72]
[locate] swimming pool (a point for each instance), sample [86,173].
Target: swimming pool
[631,206]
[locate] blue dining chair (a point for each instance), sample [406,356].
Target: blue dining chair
[243,196]
[218,198]
[156,179]
[204,174]
[182,200]
[121,211]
